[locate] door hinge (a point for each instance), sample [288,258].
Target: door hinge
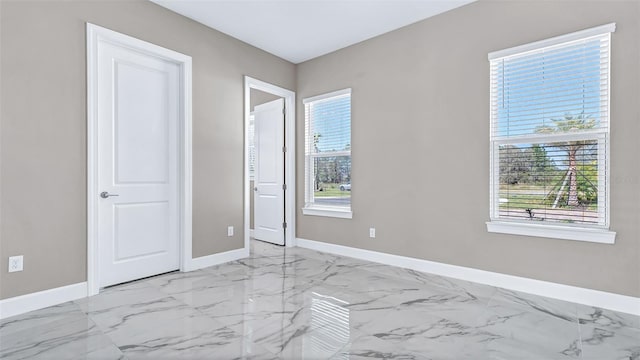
[284,225]
[284,186]
[284,149]
[284,111]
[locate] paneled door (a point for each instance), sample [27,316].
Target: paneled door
[268,211]
[138,112]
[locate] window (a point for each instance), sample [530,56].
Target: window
[252,146]
[550,137]
[328,154]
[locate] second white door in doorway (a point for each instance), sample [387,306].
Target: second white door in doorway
[268,213]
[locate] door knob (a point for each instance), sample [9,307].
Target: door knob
[105,195]
[255,188]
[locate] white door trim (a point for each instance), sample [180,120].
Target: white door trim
[95,34]
[289,158]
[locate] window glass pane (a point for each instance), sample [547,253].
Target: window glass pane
[332,182]
[328,149]
[332,125]
[556,182]
[550,131]
[531,92]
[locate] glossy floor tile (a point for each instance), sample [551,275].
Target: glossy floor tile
[293,303]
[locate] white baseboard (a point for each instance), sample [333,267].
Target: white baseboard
[216,259]
[601,299]
[41,299]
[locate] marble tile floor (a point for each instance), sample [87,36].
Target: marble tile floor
[294,303]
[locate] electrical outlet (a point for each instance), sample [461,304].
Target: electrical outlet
[372,232]
[16,263]
[230,231]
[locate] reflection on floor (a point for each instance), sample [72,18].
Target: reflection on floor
[292,303]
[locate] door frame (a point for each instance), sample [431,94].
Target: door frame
[95,35]
[289,158]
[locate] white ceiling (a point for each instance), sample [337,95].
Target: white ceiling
[299,30]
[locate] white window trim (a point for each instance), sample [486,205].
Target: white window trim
[327,95]
[597,234]
[313,209]
[562,39]
[329,211]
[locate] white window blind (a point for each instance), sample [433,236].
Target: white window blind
[550,131]
[328,150]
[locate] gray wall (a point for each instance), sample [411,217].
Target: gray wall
[420,135]
[43,127]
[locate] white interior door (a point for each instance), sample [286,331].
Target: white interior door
[268,207]
[138,116]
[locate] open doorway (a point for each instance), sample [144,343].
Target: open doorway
[269,101]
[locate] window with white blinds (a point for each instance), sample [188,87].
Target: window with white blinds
[328,152]
[550,131]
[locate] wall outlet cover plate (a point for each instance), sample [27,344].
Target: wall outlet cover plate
[16,263]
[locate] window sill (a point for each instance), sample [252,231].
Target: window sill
[601,236]
[336,212]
